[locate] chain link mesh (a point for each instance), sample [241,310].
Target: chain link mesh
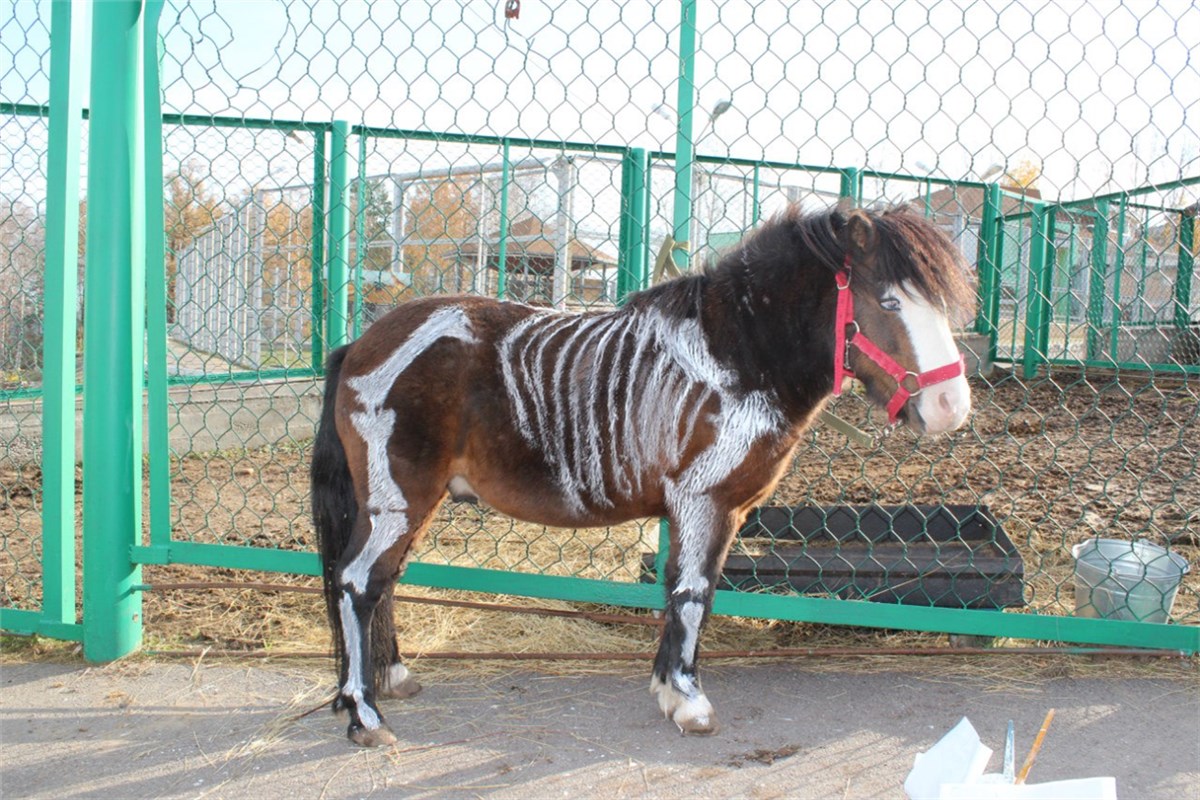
[490,161]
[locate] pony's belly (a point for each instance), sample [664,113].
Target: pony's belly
[541,502]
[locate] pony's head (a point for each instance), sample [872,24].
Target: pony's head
[902,286]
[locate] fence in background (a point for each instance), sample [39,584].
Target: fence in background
[258,243]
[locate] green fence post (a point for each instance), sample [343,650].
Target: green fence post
[339,226]
[1118,268]
[68,49]
[1045,293]
[987,322]
[1186,268]
[1143,259]
[1033,352]
[755,207]
[999,291]
[159,462]
[684,143]
[502,249]
[113,329]
[639,213]
[1097,279]
[317,254]
[363,193]
[631,268]
[851,187]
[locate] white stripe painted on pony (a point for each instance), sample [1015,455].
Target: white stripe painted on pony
[374,424]
[353,688]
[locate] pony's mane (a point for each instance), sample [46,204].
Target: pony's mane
[909,249]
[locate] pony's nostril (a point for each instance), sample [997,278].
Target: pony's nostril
[945,402]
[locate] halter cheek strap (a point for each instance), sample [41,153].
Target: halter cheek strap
[908,383]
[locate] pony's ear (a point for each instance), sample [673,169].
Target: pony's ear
[859,236]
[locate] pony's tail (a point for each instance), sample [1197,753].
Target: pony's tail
[334,508]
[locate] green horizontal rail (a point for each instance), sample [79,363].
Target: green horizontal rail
[830,611]
[263,376]
[29,623]
[667,155]
[496,141]
[35,110]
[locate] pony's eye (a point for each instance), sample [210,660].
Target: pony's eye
[889,303]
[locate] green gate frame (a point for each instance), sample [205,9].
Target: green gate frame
[126,295]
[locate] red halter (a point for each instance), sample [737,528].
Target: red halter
[841,354]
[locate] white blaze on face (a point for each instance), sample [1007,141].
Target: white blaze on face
[943,406]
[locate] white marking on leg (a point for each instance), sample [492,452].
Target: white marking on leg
[386,529]
[682,702]
[459,487]
[396,675]
[351,634]
[691,615]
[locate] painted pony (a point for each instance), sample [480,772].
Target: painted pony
[687,402]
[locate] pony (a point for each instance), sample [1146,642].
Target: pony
[686,402]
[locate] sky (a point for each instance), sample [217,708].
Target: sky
[1101,94]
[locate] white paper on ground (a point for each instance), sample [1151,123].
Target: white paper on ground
[1078,789]
[959,757]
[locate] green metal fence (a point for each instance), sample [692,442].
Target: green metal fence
[304,189]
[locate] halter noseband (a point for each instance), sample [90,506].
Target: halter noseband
[841,354]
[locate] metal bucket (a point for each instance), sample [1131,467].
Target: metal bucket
[1115,579]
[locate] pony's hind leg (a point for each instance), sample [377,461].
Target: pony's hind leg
[700,535]
[394,679]
[364,576]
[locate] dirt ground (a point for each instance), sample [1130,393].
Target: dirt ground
[142,728]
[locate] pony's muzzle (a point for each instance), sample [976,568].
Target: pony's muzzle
[943,407]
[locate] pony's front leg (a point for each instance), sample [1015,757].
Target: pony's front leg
[700,535]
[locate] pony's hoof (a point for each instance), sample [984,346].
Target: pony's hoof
[401,691]
[705,725]
[399,683]
[371,737]
[693,715]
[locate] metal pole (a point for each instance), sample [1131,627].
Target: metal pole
[360,234]
[851,188]
[1185,270]
[1032,355]
[639,218]
[159,462]
[113,336]
[989,268]
[68,49]
[631,269]
[1118,268]
[560,281]
[317,256]
[1097,279]
[755,208]
[339,228]
[502,250]
[684,143]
